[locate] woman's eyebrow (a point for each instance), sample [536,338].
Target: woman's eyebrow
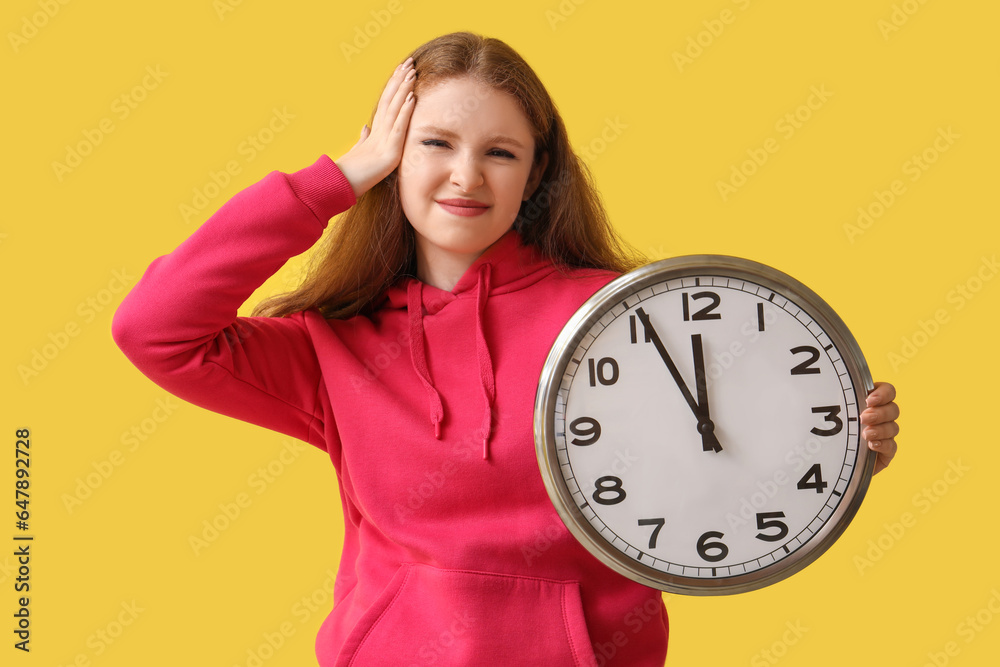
[495,139]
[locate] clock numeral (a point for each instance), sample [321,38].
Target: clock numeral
[706,312]
[831,416]
[806,367]
[656,531]
[632,332]
[813,479]
[704,546]
[588,428]
[609,484]
[601,373]
[767,520]
[760,317]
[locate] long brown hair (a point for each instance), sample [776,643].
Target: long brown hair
[372,245]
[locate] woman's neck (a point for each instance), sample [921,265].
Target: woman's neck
[442,269]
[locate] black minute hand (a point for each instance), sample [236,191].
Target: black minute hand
[700,407]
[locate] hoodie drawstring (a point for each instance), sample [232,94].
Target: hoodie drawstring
[415,309]
[414,306]
[483,356]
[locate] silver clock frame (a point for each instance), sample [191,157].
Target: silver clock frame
[613,294]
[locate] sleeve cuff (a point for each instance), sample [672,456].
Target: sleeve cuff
[323,188]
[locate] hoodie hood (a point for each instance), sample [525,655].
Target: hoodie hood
[506,266]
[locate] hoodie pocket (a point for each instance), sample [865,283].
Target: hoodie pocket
[430,616]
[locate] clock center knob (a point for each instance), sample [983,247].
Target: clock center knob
[705,427]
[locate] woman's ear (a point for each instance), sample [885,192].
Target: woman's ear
[535,177]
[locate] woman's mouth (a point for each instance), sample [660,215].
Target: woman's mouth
[464,207]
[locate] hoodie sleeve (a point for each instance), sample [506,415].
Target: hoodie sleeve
[179,326]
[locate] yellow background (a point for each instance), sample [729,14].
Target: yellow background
[659,133]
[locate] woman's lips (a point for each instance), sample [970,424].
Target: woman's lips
[464,207]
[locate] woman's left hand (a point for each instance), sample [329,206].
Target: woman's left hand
[879,421]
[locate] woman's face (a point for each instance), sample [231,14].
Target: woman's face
[472,145]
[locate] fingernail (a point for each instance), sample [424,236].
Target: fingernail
[875,444]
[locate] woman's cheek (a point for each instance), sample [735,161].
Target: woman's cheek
[413,161]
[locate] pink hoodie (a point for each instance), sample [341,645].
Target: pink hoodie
[453,552]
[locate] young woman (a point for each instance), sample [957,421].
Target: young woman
[411,355]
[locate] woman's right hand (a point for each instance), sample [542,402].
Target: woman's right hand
[380,149]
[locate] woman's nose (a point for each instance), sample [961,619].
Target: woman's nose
[466,173]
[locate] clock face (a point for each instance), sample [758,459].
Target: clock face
[697,425]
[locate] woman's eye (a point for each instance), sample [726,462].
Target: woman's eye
[438,143]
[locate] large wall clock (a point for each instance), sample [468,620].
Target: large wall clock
[696,425]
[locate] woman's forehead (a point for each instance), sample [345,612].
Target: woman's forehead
[463,106]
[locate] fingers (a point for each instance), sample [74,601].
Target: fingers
[879,419]
[402,103]
[365,131]
[880,415]
[885,450]
[394,96]
[391,86]
[882,393]
[880,432]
